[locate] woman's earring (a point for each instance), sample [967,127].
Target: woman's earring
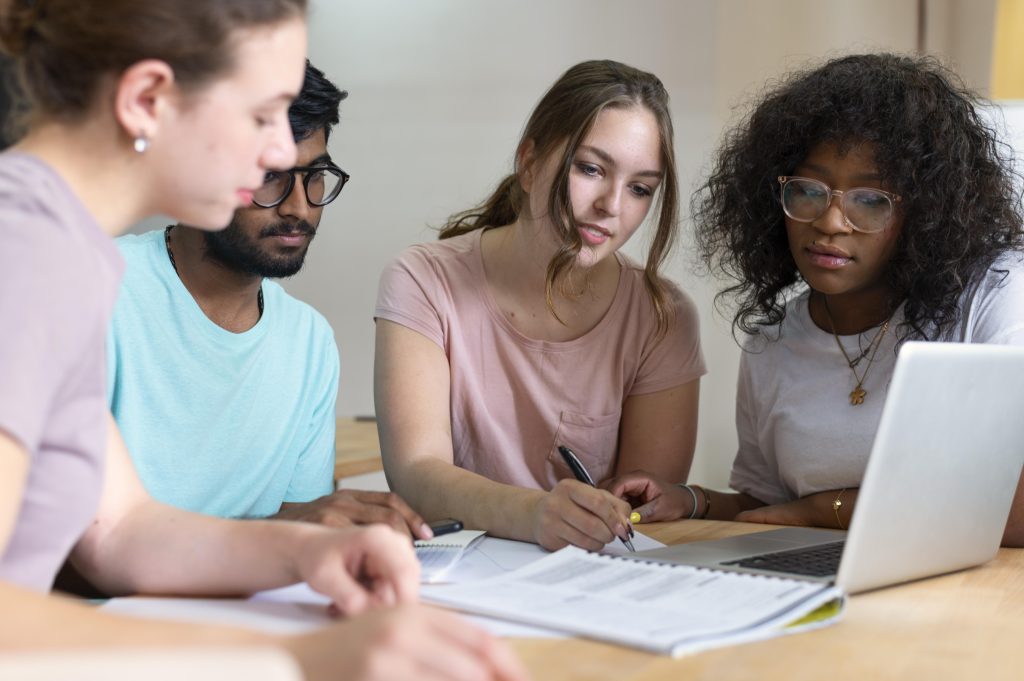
[141,143]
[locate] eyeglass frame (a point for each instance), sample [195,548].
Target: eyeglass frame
[305,170]
[893,198]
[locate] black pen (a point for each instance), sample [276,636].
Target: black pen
[581,474]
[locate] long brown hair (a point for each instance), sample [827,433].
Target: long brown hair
[65,48]
[564,115]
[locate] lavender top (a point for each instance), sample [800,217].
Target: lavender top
[59,274]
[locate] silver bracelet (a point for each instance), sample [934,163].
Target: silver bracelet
[693,513]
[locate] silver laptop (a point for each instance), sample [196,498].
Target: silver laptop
[938,486]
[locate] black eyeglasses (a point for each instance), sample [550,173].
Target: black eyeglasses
[322,184]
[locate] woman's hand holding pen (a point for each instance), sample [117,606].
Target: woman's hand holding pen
[576,513]
[655,500]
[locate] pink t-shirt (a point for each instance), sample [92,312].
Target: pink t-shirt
[515,399]
[59,274]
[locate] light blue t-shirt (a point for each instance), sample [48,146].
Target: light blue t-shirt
[227,424]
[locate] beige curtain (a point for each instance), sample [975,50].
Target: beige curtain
[1008,51]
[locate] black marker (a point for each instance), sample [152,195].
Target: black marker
[581,474]
[445,526]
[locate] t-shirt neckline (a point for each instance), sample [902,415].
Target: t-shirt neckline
[210,328]
[495,313]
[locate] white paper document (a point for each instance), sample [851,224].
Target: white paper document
[292,610]
[659,607]
[439,555]
[297,608]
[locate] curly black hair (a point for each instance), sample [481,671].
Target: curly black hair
[961,201]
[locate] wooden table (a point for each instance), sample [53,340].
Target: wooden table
[964,626]
[356,448]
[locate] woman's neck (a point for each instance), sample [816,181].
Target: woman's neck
[101,170]
[849,314]
[516,257]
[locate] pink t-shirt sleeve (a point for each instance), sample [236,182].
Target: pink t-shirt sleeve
[675,358]
[405,295]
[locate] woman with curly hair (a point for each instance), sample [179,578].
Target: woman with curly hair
[862,204]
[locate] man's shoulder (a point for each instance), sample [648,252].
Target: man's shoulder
[296,314]
[139,247]
[297,324]
[142,275]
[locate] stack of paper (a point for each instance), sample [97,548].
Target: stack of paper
[665,608]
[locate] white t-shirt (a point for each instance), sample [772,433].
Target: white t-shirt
[798,432]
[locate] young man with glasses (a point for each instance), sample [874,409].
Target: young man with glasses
[223,385]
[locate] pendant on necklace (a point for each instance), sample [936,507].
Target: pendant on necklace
[857,396]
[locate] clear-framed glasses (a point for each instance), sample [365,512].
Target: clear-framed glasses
[865,209]
[322,184]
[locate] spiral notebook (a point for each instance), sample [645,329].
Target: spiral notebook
[439,555]
[659,607]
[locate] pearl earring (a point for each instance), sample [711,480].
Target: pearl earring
[141,143]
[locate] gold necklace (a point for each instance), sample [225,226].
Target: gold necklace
[858,393]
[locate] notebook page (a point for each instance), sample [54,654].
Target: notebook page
[653,606]
[439,555]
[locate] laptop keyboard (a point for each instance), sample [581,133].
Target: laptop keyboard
[821,560]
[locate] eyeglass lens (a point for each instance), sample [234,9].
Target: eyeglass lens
[322,185]
[868,210]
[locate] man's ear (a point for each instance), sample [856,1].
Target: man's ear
[525,162]
[141,93]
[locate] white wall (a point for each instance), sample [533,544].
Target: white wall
[440,90]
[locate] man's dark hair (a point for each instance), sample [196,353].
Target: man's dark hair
[316,106]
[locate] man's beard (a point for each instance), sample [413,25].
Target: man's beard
[235,250]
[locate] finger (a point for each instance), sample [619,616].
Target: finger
[393,560]
[630,484]
[383,595]
[495,655]
[582,528]
[611,511]
[584,539]
[449,660]
[347,595]
[332,517]
[634,488]
[415,523]
[649,511]
[505,664]
[368,514]
[413,520]
[673,504]
[373,507]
